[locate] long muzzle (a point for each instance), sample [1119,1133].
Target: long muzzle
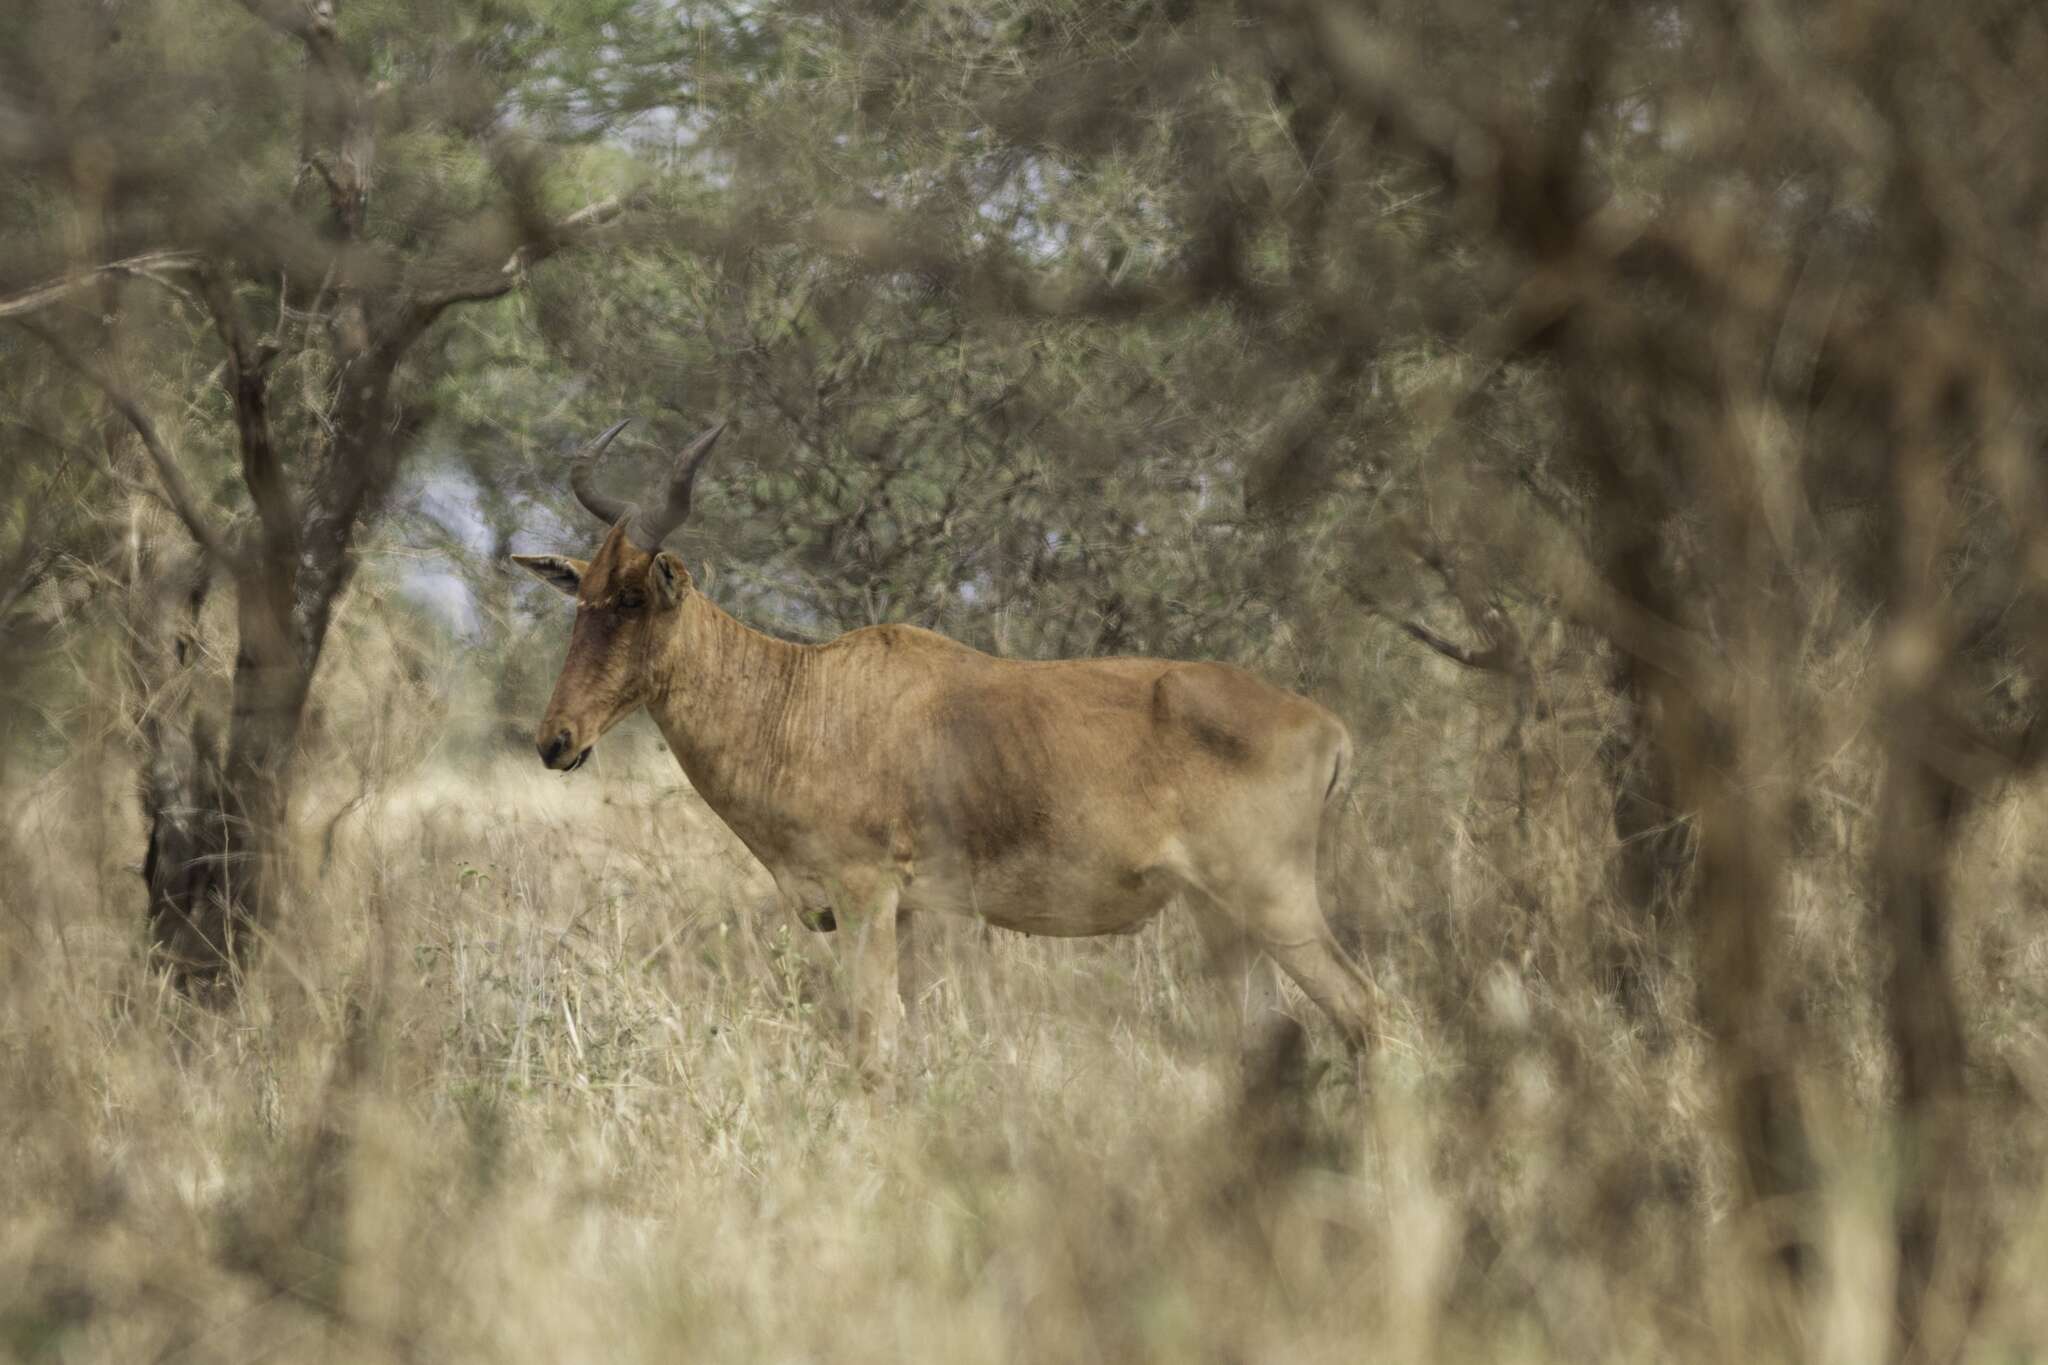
[560,751]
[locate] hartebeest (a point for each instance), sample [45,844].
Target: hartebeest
[893,769]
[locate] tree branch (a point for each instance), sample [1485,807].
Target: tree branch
[104,468]
[1491,659]
[339,134]
[305,21]
[563,233]
[575,230]
[1504,650]
[887,244]
[247,385]
[147,266]
[176,490]
[24,574]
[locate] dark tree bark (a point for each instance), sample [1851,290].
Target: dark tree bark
[1735,912]
[1918,819]
[188,866]
[1927,784]
[1651,856]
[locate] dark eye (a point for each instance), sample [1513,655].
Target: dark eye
[632,601]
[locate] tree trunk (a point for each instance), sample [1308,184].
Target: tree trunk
[218,872]
[1918,815]
[513,682]
[215,863]
[1650,855]
[184,861]
[1738,878]
[217,815]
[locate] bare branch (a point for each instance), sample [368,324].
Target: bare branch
[24,574]
[150,265]
[104,468]
[175,488]
[564,233]
[1489,660]
[304,21]
[890,244]
[575,230]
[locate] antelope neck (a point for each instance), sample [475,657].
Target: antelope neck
[729,701]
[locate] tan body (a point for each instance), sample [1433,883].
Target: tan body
[896,770]
[1070,798]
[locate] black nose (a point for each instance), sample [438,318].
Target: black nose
[553,748]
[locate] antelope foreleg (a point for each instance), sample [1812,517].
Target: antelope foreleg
[870,919]
[1245,975]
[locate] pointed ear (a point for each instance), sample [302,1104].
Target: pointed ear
[563,573]
[669,578]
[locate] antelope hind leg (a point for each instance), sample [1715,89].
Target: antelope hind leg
[1291,928]
[1334,982]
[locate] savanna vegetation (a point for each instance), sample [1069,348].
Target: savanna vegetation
[1624,415]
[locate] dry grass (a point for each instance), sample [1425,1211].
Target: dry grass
[534,1073]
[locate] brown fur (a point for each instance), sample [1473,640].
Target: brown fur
[893,768]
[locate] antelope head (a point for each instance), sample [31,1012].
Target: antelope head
[625,594]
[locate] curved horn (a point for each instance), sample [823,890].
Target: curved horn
[606,510]
[649,528]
